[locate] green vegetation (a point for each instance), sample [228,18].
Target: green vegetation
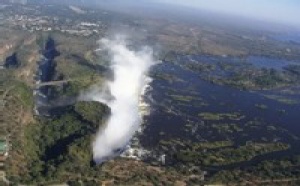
[276,172]
[269,78]
[243,75]
[89,111]
[62,145]
[184,98]
[73,88]
[211,145]
[227,128]
[282,99]
[24,93]
[200,67]
[228,155]
[166,77]
[221,116]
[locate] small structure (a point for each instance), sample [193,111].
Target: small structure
[3,151]
[3,146]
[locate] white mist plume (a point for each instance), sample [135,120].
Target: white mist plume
[130,69]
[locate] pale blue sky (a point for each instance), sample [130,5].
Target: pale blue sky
[287,11]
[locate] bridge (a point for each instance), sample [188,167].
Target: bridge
[53,83]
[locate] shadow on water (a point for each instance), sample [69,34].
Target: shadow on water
[45,73]
[11,61]
[49,51]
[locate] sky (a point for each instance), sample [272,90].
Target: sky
[286,11]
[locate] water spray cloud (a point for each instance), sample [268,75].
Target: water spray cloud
[130,68]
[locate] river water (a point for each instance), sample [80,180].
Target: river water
[45,73]
[169,117]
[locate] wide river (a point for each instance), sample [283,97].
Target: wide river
[168,118]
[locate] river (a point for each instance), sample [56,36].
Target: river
[168,118]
